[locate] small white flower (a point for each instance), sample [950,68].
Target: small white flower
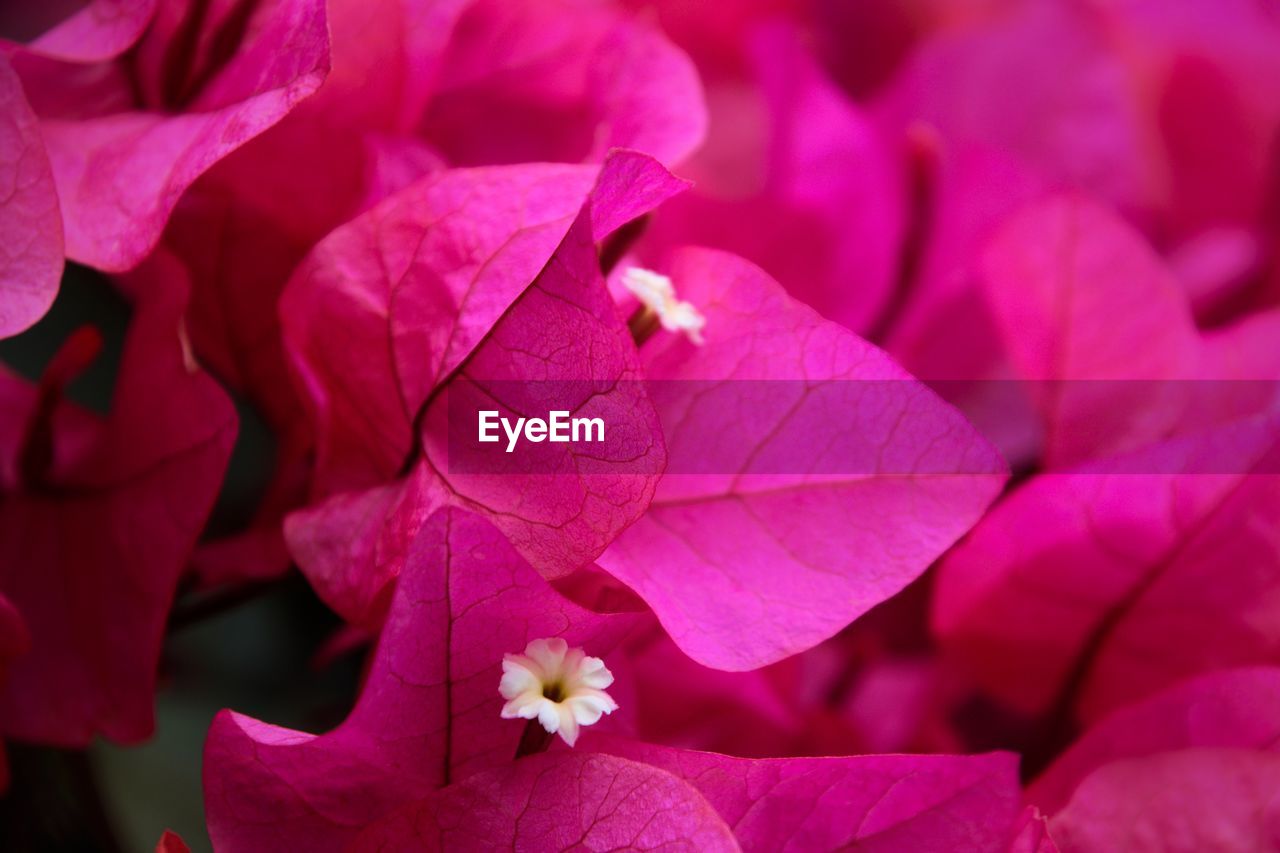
[558,686]
[658,294]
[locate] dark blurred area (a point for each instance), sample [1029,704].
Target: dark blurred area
[23,20]
[250,652]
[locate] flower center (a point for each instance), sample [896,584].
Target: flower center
[659,306]
[556,687]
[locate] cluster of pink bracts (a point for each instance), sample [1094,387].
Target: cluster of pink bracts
[1042,235]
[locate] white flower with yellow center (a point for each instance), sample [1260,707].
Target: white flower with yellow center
[658,294]
[558,686]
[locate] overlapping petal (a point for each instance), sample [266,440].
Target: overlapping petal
[1191,767]
[836,478]
[801,164]
[1083,591]
[30,221]
[471,283]
[883,802]
[597,802]
[99,518]
[125,140]
[429,714]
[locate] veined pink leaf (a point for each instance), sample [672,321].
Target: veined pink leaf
[30,221]
[482,318]
[101,30]
[429,711]
[871,802]
[558,802]
[825,501]
[431,270]
[121,168]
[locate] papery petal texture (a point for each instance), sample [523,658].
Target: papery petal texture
[873,802]
[101,30]
[556,802]
[30,221]
[429,713]
[524,313]
[431,269]
[120,173]
[762,557]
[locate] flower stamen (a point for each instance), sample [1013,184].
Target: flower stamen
[660,306]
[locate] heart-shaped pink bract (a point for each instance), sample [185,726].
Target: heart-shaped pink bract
[429,712]
[503,293]
[835,478]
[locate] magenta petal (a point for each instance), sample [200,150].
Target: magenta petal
[744,569]
[365,90]
[30,222]
[1199,799]
[945,330]
[562,346]
[872,802]
[830,182]
[1079,299]
[558,802]
[1074,120]
[1229,709]
[647,96]
[1083,591]
[238,261]
[1194,767]
[336,546]
[1211,70]
[432,268]
[94,550]
[973,190]
[120,175]
[15,639]
[1031,833]
[477,315]
[171,842]
[561,81]
[423,254]
[830,165]
[101,30]
[429,711]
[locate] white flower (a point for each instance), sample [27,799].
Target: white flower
[658,294]
[558,686]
